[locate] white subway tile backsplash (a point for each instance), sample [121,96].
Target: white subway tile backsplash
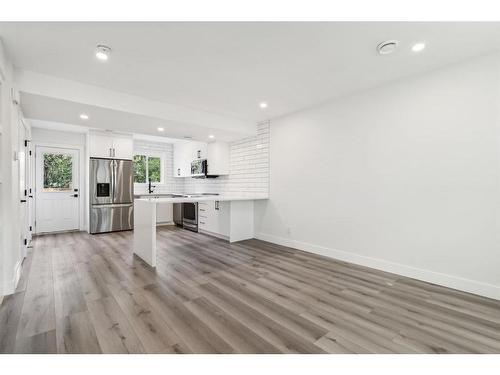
[248,168]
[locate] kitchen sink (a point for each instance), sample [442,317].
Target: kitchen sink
[174,195]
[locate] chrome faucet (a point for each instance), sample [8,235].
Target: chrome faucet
[150,187]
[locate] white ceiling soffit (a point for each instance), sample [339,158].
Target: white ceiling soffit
[67,112]
[229,67]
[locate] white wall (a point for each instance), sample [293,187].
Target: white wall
[248,168]
[48,136]
[404,177]
[10,248]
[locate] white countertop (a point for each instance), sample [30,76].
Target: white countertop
[210,198]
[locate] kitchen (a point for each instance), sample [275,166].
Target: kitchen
[191,188]
[125,171]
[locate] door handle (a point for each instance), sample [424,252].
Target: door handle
[23,200]
[74,195]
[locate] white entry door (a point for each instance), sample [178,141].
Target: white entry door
[57,189]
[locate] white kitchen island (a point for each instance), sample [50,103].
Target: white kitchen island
[239,217]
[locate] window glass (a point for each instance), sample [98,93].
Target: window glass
[147,167]
[140,169]
[154,168]
[57,172]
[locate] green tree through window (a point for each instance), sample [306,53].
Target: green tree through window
[57,172]
[154,169]
[147,167]
[140,169]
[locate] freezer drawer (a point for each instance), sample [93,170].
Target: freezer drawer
[112,217]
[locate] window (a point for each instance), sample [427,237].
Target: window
[57,172]
[147,168]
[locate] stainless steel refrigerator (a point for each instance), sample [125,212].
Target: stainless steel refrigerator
[111,195]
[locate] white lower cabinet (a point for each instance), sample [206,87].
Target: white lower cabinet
[164,213]
[214,217]
[229,220]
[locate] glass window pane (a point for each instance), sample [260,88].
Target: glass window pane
[154,169]
[57,172]
[140,169]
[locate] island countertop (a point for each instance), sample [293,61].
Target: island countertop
[208,198]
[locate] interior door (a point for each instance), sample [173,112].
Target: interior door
[57,189]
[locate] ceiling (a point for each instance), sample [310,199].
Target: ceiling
[228,68]
[59,111]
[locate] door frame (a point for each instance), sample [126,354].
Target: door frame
[81,182]
[24,140]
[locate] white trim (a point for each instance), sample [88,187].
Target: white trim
[450,281]
[82,225]
[11,287]
[213,234]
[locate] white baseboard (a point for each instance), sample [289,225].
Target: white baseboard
[162,223]
[12,285]
[450,281]
[217,235]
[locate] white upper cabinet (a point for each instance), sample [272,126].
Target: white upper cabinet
[184,154]
[182,161]
[218,158]
[123,147]
[111,146]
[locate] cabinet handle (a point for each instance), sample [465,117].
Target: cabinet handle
[110,154]
[202,222]
[201,209]
[114,151]
[178,171]
[217,205]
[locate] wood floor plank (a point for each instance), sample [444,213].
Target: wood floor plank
[82,293]
[154,333]
[38,313]
[196,335]
[77,335]
[10,312]
[42,343]
[239,337]
[114,332]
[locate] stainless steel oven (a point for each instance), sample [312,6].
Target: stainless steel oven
[190,216]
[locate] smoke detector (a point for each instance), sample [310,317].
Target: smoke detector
[387,47]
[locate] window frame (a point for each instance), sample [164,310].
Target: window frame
[148,155]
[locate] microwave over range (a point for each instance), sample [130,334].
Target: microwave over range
[199,169]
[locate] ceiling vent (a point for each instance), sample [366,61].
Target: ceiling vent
[387,47]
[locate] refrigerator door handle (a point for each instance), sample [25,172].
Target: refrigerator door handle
[113,180]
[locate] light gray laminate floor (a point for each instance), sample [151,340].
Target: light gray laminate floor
[88,294]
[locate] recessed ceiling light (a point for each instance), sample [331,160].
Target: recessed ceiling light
[387,47]
[263,105]
[84,116]
[160,129]
[211,136]
[102,52]
[418,47]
